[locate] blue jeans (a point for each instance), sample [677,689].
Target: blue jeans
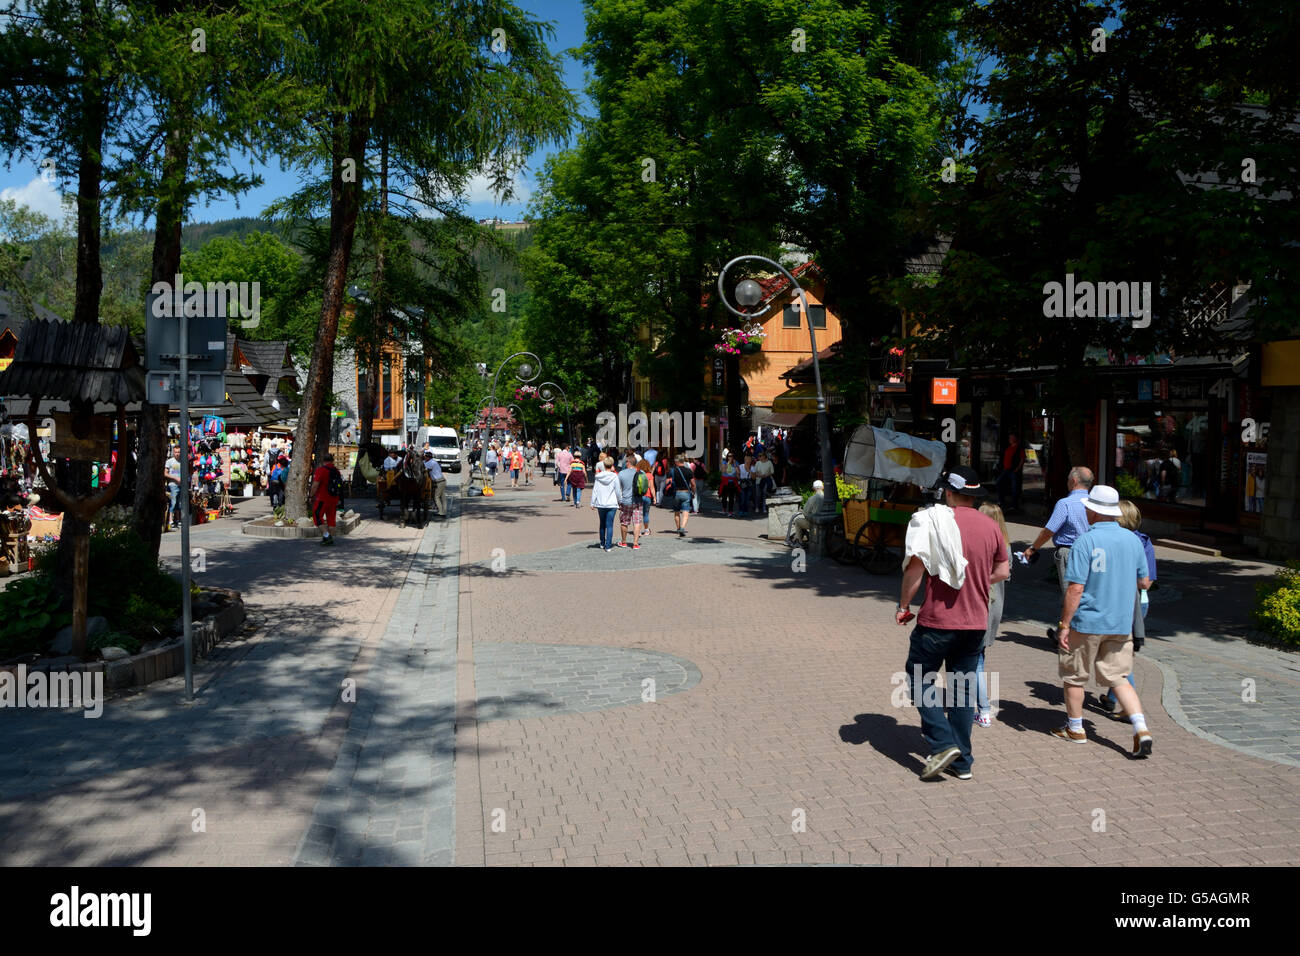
[563,482]
[606,526]
[645,512]
[945,723]
[982,697]
[577,496]
[174,496]
[1139,619]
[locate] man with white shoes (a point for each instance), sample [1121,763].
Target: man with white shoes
[1095,633]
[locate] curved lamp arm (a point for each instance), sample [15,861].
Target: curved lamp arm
[803,303]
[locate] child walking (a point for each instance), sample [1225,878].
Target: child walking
[997,599]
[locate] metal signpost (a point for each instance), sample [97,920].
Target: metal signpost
[208,387]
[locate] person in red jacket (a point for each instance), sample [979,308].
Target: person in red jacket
[324,504]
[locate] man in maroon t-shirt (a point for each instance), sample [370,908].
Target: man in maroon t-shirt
[324,505]
[950,626]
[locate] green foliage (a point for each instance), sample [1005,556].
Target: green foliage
[288,310]
[1081,165]
[29,615]
[127,585]
[1277,604]
[146,618]
[114,639]
[1128,486]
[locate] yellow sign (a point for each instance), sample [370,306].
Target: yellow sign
[1280,364]
[802,400]
[5,363]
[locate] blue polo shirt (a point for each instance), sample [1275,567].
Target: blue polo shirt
[1069,519]
[1107,560]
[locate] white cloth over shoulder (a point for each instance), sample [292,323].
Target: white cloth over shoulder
[933,536]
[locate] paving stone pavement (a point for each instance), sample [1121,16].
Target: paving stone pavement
[534,680]
[1220,686]
[790,750]
[232,777]
[499,718]
[390,797]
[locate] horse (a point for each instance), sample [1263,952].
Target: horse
[413,486]
[410,485]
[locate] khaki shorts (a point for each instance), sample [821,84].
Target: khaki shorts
[1107,657]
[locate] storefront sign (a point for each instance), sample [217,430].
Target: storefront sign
[719,375]
[944,391]
[1187,388]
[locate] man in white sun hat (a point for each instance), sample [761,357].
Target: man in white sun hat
[1095,633]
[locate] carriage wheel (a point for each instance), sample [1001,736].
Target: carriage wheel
[837,544]
[875,556]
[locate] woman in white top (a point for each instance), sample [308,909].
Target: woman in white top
[746,472]
[544,457]
[604,499]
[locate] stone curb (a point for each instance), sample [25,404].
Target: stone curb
[1170,700]
[168,661]
[345,525]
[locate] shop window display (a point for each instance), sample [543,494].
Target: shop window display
[1163,452]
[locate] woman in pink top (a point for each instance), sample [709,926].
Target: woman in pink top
[563,459]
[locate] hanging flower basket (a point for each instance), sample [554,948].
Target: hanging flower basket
[525,391]
[549,407]
[745,341]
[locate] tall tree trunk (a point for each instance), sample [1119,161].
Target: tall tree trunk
[349,142]
[90,279]
[373,350]
[150,496]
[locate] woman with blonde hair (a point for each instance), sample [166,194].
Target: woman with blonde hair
[1131,518]
[997,600]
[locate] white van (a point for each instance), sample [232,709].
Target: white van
[446,447]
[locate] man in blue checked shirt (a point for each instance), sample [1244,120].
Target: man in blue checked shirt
[1069,520]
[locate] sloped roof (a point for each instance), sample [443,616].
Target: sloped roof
[75,360]
[14,316]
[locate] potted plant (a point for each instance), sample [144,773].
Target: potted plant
[746,341]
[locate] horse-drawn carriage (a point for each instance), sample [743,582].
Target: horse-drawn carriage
[896,474]
[408,486]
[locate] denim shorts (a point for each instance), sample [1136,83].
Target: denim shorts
[683,501]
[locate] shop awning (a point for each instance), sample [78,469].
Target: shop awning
[774,420]
[802,400]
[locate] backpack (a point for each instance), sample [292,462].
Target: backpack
[335,487]
[640,484]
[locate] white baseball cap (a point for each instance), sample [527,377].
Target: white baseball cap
[1104,500]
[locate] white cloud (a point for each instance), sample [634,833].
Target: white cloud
[479,189]
[39,196]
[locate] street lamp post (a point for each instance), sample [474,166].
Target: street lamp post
[521,418]
[525,374]
[749,293]
[546,394]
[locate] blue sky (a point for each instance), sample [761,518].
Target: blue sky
[22,180]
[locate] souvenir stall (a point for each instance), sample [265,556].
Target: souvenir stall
[15,500]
